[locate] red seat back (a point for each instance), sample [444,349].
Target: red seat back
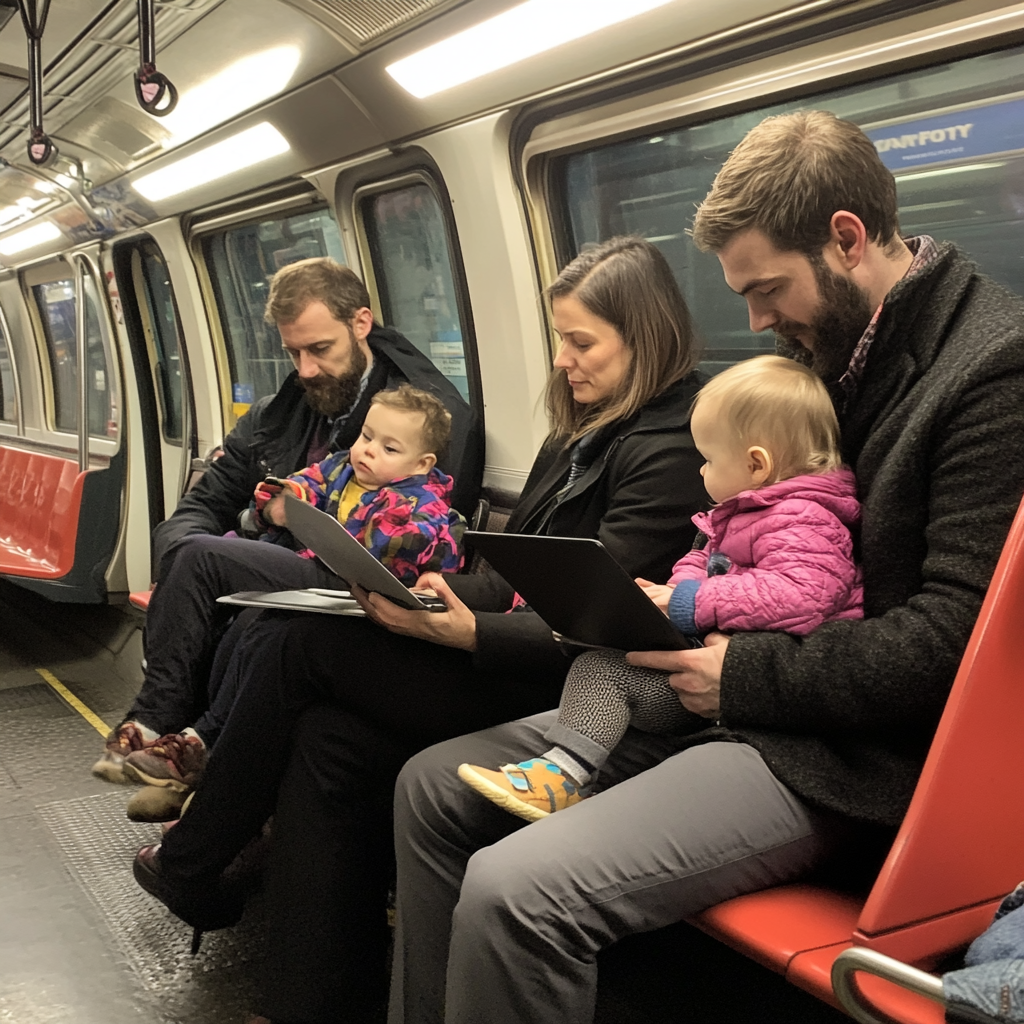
[961,845]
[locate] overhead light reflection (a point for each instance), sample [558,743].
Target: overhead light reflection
[918,175]
[29,238]
[217,161]
[512,36]
[238,87]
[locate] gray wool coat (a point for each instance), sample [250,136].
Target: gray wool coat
[935,433]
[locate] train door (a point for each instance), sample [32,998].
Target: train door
[146,304]
[71,464]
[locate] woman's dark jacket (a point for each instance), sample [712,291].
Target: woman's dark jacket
[273,439]
[636,498]
[935,434]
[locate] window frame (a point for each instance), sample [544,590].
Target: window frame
[61,268]
[239,213]
[700,93]
[15,428]
[412,167]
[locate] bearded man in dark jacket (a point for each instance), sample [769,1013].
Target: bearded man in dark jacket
[342,359]
[797,746]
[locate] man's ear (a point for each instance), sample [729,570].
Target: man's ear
[848,239]
[362,323]
[760,465]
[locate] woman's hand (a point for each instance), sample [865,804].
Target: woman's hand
[696,673]
[455,627]
[659,593]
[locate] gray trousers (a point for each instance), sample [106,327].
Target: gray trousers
[500,922]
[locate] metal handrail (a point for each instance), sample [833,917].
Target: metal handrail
[853,1001]
[82,350]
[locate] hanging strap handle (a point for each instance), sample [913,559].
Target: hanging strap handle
[154,91]
[41,150]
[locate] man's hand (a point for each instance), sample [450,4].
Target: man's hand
[696,673]
[659,593]
[455,627]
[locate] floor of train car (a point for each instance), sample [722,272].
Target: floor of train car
[81,944]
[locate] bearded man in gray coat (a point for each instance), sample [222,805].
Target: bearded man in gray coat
[797,746]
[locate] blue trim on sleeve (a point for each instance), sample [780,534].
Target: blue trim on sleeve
[682,607]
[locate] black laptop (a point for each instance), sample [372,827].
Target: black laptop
[580,591]
[347,558]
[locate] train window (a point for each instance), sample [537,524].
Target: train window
[952,134]
[241,261]
[56,303]
[8,395]
[412,265]
[160,326]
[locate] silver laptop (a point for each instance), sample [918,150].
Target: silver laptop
[347,558]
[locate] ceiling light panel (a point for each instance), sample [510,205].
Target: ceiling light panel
[29,238]
[524,31]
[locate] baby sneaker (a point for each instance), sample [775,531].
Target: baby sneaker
[122,741]
[175,761]
[531,789]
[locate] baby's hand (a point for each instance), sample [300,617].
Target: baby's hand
[659,593]
[273,511]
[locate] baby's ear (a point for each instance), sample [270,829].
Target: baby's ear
[760,464]
[428,461]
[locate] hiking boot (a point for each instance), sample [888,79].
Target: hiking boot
[122,741]
[156,803]
[532,789]
[175,761]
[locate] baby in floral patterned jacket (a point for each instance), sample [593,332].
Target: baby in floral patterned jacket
[387,490]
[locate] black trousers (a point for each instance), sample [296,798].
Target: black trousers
[328,711]
[184,621]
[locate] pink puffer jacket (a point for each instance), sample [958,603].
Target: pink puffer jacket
[788,561]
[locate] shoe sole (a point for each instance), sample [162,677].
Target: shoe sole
[499,796]
[137,775]
[108,771]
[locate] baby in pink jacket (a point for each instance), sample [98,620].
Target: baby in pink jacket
[778,556]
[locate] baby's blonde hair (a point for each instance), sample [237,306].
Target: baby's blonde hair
[783,407]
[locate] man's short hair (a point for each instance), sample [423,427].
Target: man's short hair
[788,177]
[782,406]
[320,279]
[437,420]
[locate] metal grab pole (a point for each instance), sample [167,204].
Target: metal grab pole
[82,350]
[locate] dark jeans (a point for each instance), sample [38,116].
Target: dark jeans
[330,709]
[184,621]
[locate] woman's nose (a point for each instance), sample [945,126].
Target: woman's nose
[562,360]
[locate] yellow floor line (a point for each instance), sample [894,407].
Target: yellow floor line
[91,717]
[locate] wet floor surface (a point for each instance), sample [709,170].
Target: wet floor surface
[80,943]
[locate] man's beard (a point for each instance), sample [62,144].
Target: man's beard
[844,312]
[331,396]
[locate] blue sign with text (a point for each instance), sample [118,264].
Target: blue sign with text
[243,393]
[962,135]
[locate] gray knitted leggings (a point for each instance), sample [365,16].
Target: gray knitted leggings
[604,695]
